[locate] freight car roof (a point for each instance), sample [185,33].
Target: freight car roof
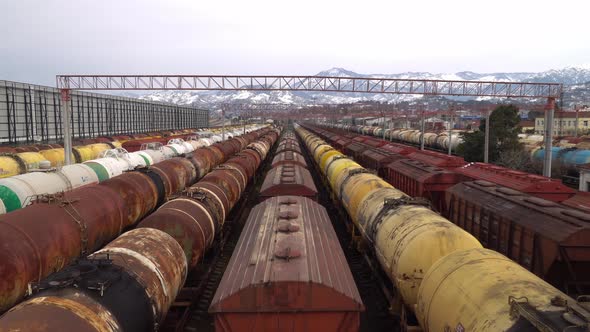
[437,159]
[550,219]
[289,145]
[423,173]
[288,258]
[540,186]
[288,157]
[580,201]
[288,180]
[398,148]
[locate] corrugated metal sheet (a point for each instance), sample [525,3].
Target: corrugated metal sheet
[537,185]
[547,238]
[288,262]
[288,180]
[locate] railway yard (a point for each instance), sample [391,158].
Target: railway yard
[294,227]
[220,166]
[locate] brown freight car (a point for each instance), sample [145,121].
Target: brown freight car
[288,157]
[288,180]
[548,239]
[288,273]
[421,180]
[289,145]
[532,184]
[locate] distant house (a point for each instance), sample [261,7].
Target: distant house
[527,125]
[564,123]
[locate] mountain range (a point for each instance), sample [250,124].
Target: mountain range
[576,80]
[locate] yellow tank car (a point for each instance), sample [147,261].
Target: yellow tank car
[83,153]
[472,290]
[98,148]
[327,157]
[31,159]
[11,165]
[357,188]
[409,238]
[338,170]
[55,156]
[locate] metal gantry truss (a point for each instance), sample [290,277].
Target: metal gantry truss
[426,87]
[311,83]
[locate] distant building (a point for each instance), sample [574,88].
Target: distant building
[564,123]
[527,125]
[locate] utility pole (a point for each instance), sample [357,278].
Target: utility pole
[548,136]
[223,123]
[577,119]
[66,112]
[422,131]
[451,131]
[486,149]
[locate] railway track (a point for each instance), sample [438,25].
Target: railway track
[190,312]
[374,290]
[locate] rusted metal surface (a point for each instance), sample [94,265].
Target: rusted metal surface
[417,179]
[138,193]
[203,160]
[438,159]
[245,161]
[548,239]
[287,272]
[289,146]
[45,237]
[73,311]
[127,286]
[218,154]
[288,180]
[288,158]
[533,184]
[156,260]
[176,173]
[261,148]
[190,222]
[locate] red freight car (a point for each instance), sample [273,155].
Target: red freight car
[378,159]
[375,142]
[548,239]
[355,150]
[532,184]
[288,273]
[288,157]
[580,201]
[437,159]
[398,148]
[288,180]
[421,180]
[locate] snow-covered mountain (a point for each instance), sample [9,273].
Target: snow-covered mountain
[575,78]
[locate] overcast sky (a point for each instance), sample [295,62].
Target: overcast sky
[42,38]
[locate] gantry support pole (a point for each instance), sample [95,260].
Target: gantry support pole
[548,136]
[486,149]
[66,112]
[422,132]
